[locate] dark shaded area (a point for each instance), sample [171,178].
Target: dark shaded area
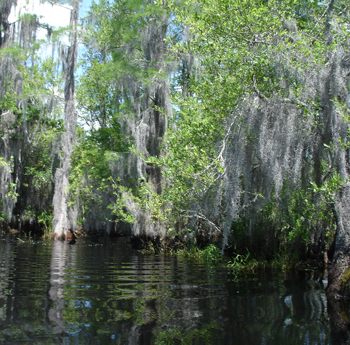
[338,311]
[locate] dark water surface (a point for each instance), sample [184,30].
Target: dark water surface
[56,293]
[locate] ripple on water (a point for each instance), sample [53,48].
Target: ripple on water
[51,292]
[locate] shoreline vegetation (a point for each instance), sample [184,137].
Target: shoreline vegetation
[240,264]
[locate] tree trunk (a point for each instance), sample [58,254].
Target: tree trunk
[340,271]
[61,220]
[5,9]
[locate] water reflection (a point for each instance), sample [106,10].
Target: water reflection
[57,282]
[105,293]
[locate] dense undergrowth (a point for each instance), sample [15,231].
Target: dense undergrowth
[239,264]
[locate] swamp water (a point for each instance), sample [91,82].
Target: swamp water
[106,293]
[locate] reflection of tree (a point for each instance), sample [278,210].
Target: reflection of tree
[57,281]
[103,294]
[224,313]
[142,333]
[6,260]
[24,277]
[338,311]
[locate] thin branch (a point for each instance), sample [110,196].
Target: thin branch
[201,216]
[296,102]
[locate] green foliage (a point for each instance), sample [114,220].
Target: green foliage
[45,218]
[225,51]
[38,162]
[41,79]
[90,174]
[38,86]
[8,102]
[141,198]
[96,90]
[11,192]
[243,47]
[117,58]
[191,166]
[307,212]
[119,67]
[211,254]
[231,40]
[3,163]
[240,262]
[11,187]
[3,215]
[204,335]
[119,207]
[299,217]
